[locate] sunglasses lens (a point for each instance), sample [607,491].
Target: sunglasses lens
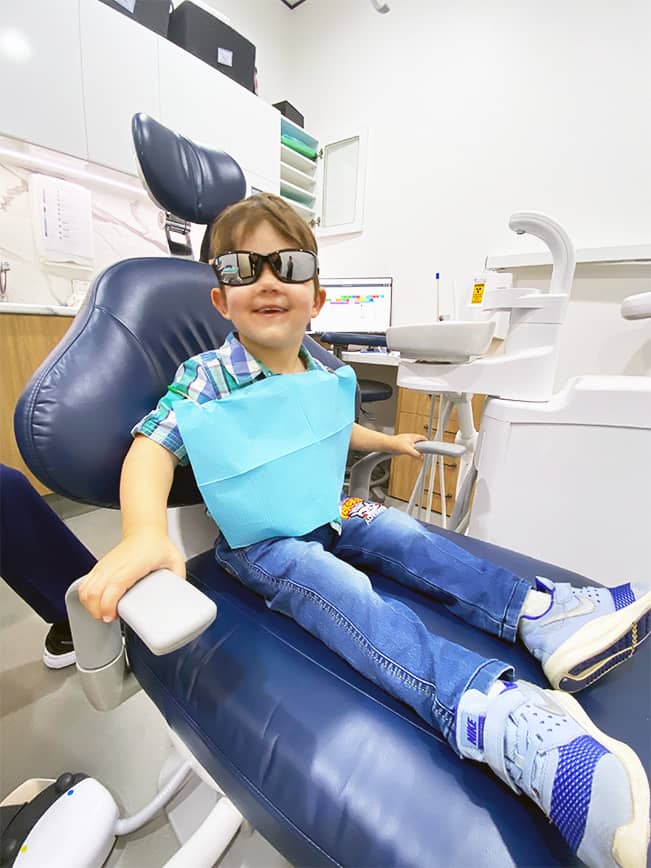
[235,269]
[242,268]
[294,266]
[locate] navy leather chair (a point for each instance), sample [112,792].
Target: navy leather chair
[329,768]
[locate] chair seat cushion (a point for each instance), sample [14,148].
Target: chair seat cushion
[332,770]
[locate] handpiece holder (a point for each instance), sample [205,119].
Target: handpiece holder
[526,369]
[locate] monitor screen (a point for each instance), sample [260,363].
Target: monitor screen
[355,304]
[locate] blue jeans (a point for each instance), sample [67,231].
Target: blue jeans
[314,579]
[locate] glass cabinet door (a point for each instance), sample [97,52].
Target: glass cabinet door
[343,175]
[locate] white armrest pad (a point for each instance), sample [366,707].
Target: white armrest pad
[166,612]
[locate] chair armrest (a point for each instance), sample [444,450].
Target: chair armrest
[165,611]
[360,473]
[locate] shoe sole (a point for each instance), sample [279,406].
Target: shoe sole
[631,841]
[59,661]
[599,646]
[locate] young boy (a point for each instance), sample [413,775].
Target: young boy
[539,742]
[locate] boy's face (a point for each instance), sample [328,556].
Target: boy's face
[269,315]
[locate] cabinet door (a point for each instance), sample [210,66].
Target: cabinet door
[342,184]
[40,74]
[203,104]
[120,74]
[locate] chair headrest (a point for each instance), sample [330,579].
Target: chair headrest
[189,180]
[141,319]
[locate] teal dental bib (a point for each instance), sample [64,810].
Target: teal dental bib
[269,459]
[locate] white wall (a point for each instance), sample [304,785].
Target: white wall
[477,110]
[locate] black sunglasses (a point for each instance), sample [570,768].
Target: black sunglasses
[243,267]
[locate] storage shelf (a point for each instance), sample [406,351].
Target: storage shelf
[305,212]
[295,176]
[621,253]
[288,128]
[298,194]
[298,161]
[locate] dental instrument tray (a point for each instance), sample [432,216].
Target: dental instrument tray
[448,341]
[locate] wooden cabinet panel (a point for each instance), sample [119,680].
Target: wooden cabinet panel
[413,417]
[25,340]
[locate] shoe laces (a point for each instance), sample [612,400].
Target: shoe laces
[533,734]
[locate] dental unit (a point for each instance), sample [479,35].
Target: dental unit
[276,744]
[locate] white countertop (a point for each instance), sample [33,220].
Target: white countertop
[47,309]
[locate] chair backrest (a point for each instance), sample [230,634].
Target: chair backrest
[191,181]
[141,320]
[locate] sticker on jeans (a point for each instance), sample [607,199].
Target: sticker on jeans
[355,507]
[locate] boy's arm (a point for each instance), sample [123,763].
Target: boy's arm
[147,475]
[366,440]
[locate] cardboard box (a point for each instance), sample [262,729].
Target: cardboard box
[208,38]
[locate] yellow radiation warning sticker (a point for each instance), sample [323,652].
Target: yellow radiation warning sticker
[478,293]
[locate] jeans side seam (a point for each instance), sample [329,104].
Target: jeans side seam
[497,621]
[390,666]
[507,627]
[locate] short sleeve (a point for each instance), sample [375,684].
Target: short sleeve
[192,382]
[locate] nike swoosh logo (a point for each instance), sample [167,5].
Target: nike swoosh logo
[583,607]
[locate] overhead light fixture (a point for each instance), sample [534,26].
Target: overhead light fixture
[379,6]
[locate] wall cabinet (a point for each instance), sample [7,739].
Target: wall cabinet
[325,184]
[120,75]
[77,71]
[203,104]
[40,74]
[74,73]
[412,416]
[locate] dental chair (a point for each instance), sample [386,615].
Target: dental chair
[278,731]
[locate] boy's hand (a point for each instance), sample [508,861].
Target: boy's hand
[135,557]
[403,444]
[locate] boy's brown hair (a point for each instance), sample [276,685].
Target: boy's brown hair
[238,219]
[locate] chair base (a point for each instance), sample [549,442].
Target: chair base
[194,808]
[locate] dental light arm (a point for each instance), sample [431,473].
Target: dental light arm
[165,611]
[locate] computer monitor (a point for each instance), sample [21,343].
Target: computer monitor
[355,304]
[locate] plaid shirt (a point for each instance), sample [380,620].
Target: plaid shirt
[206,377]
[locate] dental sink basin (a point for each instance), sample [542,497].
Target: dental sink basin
[448,341]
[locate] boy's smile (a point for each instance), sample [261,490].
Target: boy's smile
[270,316]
